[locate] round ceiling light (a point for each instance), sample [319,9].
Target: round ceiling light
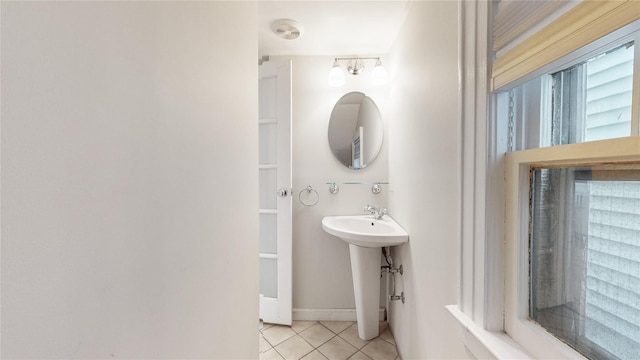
[287,29]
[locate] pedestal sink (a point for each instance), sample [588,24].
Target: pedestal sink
[366,236]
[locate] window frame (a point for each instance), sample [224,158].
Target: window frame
[517,166]
[486,136]
[531,336]
[629,33]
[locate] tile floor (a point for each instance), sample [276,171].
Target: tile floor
[324,340]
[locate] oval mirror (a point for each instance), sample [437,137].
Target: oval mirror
[355,130]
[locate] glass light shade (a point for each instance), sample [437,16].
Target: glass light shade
[379,74]
[336,75]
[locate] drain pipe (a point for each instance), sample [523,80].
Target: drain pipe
[392,270]
[387,256]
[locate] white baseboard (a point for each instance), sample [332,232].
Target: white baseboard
[329,314]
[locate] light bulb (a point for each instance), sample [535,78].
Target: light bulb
[336,75]
[379,74]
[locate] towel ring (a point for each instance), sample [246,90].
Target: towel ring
[310,192]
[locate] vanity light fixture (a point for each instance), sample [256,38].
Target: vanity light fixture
[356,67]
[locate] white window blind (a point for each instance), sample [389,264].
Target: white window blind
[515,17]
[580,26]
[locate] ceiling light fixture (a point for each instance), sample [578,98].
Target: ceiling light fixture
[356,67]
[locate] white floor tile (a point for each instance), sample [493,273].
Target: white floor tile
[277,334]
[299,326]
[312,340]
[294,348]
[379,349]
[336,326]
[315,355]
[387,336]
[360,356]
[337,349]
[317,335]
[264,345]
[351,336]
[382,326]
[271,355]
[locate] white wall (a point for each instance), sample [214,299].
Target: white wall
[424,150]
[321,265]
[129,180]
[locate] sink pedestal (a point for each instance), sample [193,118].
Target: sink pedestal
[365,269]
[366,235]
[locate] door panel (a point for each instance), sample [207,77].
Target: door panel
[275,205]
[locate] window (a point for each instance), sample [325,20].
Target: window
[592,100]
[500,153]
[573,209]
[585,257]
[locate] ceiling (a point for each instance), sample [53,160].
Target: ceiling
[332,27]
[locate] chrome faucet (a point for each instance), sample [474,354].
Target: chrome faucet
[377,213]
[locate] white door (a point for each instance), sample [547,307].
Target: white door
[275,192]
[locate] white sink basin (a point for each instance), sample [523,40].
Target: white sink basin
[365,230]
